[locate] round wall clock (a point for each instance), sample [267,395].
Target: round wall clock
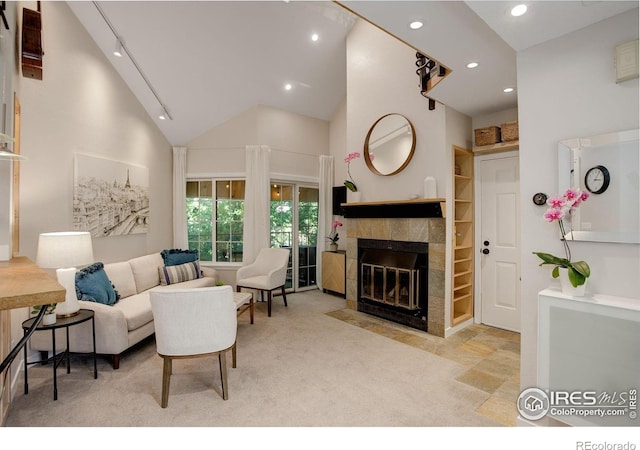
[597,179]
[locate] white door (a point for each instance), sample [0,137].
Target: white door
[498,289]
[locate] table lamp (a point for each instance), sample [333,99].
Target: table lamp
[63,251]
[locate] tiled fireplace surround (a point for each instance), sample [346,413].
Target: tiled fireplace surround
[431,230]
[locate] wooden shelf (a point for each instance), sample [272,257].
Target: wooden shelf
[462,270]
[497,148]
[462,297]
[458,274]
[461,318]
[461,260]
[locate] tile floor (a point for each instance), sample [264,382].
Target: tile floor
[491,357]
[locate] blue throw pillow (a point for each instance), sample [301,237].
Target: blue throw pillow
[93,285]
[176,256]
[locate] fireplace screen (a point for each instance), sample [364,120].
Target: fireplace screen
[390,278]
[390,285]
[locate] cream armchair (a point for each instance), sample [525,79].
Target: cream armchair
[267,273]
[192,323]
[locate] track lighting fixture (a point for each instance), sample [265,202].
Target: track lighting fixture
[164,114]
[118,49]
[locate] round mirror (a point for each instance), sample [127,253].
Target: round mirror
[389,145]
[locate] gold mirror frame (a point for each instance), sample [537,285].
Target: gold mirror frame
[368,155]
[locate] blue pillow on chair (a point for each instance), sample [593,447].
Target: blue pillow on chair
[93,285]
[176,256]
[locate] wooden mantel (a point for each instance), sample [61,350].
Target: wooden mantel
[414,208]
[23,284]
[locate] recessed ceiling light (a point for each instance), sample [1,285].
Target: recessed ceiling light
[509,89]
[472,65]
[288,87]
[416,25]
[314,37]
[518,10]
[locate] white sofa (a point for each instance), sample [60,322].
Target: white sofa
[130,319]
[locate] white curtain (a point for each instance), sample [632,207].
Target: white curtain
[180,239]
[325,215]
[256,202]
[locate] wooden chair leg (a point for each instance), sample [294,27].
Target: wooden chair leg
[166,377]
[268,303]
[223,374]
[251,308]
[261,296]
[233,356]
[115,361]
[284,296]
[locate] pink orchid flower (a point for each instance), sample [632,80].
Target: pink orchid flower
[556,202]
[572,194]
[554,214]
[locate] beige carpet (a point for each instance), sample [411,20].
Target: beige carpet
[299,368]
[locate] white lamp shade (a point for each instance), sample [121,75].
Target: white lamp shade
[64,249]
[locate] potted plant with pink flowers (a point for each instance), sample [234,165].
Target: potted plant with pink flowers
[334,236]
[350,183]
[560,209]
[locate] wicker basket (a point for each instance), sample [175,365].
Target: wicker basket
[510,131]
[487,136]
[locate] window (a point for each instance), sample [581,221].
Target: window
[215,228]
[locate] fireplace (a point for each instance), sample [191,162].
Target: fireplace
[393,280]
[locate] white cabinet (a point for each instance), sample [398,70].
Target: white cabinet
[590,344]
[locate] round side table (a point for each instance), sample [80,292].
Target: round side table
[83,315]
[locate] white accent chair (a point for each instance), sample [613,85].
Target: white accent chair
[192,323]
[267,273]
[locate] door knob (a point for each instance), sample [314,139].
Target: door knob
[485,251]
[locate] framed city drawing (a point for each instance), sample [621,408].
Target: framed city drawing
[110,198]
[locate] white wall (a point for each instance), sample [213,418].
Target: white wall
[381,79]
[82,105]
[566,89]
[10,82]
[296,142]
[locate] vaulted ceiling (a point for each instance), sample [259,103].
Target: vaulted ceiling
[207,61]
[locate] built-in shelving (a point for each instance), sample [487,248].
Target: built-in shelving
[462,271]
[497,148]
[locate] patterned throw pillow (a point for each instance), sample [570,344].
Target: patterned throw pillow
[176,256]
[93,285]
[179,273]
